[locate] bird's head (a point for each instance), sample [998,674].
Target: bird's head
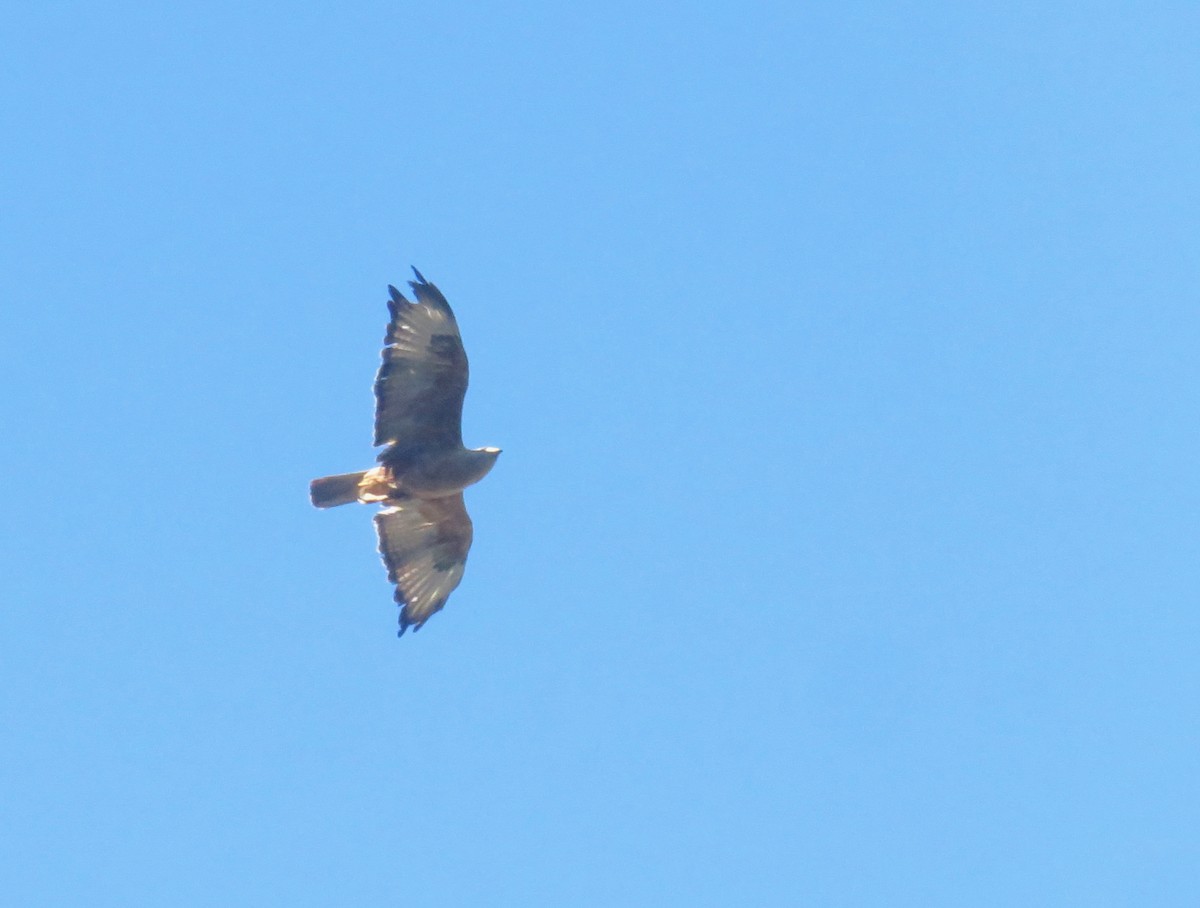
[482,460]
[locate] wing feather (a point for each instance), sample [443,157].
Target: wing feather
[424,545]
[422,380]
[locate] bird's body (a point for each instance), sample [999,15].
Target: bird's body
[424,531]
[432,474]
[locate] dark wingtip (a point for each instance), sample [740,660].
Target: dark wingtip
[420,276]
[396,295]
[398,595]
[405,625]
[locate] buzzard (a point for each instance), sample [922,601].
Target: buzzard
[424,531]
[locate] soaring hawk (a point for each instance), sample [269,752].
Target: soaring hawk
[424,531]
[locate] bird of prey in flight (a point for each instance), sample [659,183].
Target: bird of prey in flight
[424,531]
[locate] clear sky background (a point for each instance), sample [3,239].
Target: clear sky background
[844,547]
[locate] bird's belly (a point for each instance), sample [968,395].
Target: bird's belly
[430,484]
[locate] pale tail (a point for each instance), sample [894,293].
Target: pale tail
[330,491]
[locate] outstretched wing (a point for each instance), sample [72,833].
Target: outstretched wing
[424,544]
[421,384]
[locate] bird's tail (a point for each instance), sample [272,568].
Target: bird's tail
[330,491]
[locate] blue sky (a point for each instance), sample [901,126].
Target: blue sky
[844,547]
